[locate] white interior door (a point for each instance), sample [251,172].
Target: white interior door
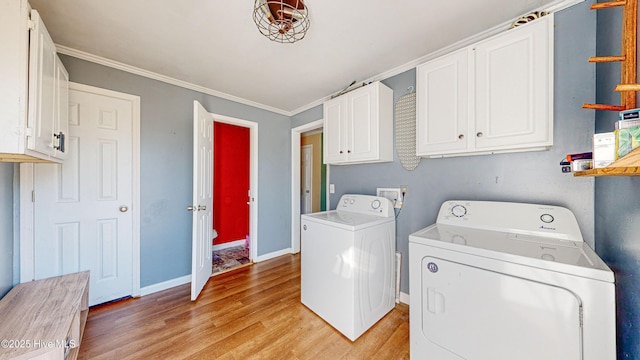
[202,199]
[306,181]
[82,211]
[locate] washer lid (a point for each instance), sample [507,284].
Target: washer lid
[347,219]
[567,256]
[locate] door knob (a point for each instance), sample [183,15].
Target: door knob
[479,134]
[191,208]
[123,209]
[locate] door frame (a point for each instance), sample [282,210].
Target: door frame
[26,228]
[253,177]
[296,134]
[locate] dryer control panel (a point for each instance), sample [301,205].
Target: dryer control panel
[530,219]
[366,204]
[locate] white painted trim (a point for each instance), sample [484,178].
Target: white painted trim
[253,177]
[272,255]
[148,290]
[227,245]
[166,79]
[404,298]
[27,263]
[295,180]
[551,7]
[27,256]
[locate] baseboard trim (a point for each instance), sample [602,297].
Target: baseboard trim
[147,290]
[272,255]
[229,244]
[404,298]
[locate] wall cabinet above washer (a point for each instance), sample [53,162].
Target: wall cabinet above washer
[34,88]
[358,126]
[493,96]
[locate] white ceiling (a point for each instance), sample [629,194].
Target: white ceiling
[215,44]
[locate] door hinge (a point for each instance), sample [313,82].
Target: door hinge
[31,24]
[33,196]
[28,132]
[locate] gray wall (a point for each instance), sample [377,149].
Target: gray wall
[521,177]
[617,210]
[6,228]
[166,158]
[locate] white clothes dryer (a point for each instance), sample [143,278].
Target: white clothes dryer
[504,281]
[348,263]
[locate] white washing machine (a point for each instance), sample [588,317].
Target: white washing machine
[348,263]
[505,281]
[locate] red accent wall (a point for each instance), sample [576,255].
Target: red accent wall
[230,182]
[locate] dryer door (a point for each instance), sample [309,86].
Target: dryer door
[473,313]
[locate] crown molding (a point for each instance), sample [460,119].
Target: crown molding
[166,79]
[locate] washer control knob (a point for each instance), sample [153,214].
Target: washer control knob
[352,201]
[458,211]
[547,218]
[375,204]
[346,201]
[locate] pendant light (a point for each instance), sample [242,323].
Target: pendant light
[283,21]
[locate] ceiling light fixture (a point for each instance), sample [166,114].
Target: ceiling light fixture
[283,21]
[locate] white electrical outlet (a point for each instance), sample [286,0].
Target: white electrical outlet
[404,189]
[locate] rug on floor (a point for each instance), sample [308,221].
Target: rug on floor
[229,258]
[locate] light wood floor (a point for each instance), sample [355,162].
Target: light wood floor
[254,312]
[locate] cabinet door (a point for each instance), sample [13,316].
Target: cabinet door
[42,87]
[335,116]
[61,118]
[362,126]
[442,105]
[514,78]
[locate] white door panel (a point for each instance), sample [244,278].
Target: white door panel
[82,207]
[201,262]
[307,177]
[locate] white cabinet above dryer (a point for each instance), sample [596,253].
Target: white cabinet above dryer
[358,126]
[493,96]
[34,88]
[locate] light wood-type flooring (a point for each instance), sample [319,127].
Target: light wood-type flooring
[250,313]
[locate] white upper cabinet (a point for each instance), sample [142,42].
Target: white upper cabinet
[34,88]
[494,96]
[358,126]
[443,109]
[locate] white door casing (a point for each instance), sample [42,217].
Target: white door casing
[253,179]
[306,182]
[202,205]
[296,134]
[85,214]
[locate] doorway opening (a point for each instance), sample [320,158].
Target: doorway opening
[233,244]
[297,135]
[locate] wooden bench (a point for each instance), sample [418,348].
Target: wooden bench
[44,319]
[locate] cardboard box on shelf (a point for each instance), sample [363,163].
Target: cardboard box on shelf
[604,149]
[626,140]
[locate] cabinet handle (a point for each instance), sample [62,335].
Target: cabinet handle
[340,151]
[479,134]
[348,151]
[460,136]
[60,136]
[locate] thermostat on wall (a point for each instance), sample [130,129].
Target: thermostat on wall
[393,194]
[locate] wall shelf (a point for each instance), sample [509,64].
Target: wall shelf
[629,165]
